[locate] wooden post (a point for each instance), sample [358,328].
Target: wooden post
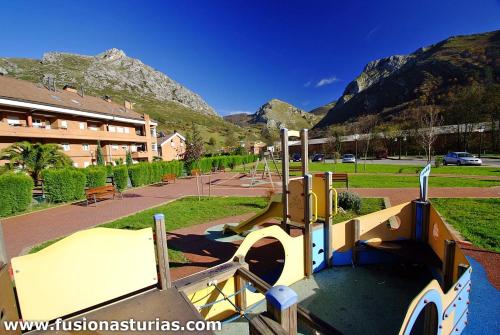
[307,225]
[448,264]
[162,251]
[304,141]
[285,172]
[356,232]
[282,306]
[263,325]
[241,299]
[327,229]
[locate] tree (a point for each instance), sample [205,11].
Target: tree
[428,118]
[33,158]
[212,141]
[367,124]
[194,145]
[128,159]
[99,155]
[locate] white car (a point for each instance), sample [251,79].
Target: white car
[461,158]
[348,158]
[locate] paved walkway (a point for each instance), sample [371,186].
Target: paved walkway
[25,231]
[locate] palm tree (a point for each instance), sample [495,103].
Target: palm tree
[33,158]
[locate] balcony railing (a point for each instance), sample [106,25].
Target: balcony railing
[140,155]
[65,133]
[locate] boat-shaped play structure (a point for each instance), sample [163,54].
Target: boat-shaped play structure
[394,271]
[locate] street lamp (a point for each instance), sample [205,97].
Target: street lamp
[356,136]
[481,131]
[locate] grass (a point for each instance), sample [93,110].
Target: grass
[369,205]
[374,181]
[34,208]
[476,219]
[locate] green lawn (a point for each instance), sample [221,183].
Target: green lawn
[374,181]
[478,220]
[390,168]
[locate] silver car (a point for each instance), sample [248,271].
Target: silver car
[348,158]
[461,158]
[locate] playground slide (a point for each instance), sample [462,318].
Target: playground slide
[273,209]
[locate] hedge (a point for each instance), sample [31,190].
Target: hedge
[208,164]
[150,173]
[64,185]
[120,176]
[96,176]
[16,190]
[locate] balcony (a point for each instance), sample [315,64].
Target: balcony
[140,155]
[7,130]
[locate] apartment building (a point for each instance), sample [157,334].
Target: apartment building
[77,122]
[172,146]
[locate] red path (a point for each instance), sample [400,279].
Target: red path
[25,231]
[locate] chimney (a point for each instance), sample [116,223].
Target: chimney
[107,98]
[129,105]
[69,88]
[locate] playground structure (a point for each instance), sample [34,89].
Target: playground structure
[266,170]
[123,270]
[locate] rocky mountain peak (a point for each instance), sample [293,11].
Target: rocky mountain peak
[112,54]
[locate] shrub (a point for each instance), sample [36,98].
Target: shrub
[150,173]
[64,184]
[120,177]
[96,176]
[438,161]
[350,201]
[16,190]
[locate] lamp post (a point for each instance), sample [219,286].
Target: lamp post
[481,130]
[356,136]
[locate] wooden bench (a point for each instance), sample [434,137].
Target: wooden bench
[169,177]
[341,177]
[100,192]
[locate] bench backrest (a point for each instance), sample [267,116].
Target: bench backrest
[83,270]
[100,189]
[339,176]
[169,176]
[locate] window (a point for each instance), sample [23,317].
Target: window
[75,164]
[127,130]
[37,123]
[64,124]
[82,125]
[133,148]
[85,147]
[182,144]
[119,130]
[47,124]
[114,146]
[154,147]
[66,146]
[172,143]
[111,129]
[13,121]
[85,164]
[125,147]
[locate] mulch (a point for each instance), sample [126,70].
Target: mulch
[490,260]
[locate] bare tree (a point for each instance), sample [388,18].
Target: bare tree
[367,125]
[428,119]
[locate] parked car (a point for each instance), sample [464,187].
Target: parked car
[296,157]
[461,158]
[348,158]
[318,158]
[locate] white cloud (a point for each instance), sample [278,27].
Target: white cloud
[308,84]
[372,31]
[232,111]
[327,81]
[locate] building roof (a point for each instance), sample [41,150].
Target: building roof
[168,137]
[25,91]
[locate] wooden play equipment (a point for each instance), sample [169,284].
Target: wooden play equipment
[116,274]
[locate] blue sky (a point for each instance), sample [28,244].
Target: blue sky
[239,54]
